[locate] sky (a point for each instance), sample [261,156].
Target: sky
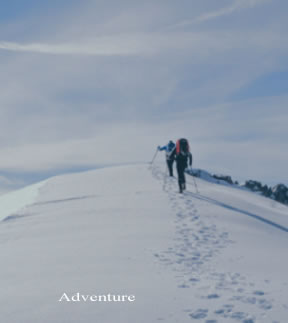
[90,83]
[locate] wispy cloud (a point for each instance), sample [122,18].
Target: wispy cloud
[201,44]
[113,71]
[103,46]
[237,5]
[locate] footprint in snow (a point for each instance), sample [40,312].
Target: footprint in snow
[199,314]
[213,296]
[262,303]
[265,304]
[183,286]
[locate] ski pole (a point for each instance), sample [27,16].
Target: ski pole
[154,156]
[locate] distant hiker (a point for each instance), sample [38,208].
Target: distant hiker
[182,153]
[169,148]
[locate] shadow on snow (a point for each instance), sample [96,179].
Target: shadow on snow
[235,209]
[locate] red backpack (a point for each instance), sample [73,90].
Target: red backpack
[182,147]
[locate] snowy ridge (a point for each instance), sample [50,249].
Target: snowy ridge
[278,193]
[214,256]
[14,201]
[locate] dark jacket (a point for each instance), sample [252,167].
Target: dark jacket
[182,158]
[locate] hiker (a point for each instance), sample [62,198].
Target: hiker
[181,154]
[169,158]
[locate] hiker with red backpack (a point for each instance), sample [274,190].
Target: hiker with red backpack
[181,153]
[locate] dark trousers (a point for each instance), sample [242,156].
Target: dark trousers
[181,165]
[170,166]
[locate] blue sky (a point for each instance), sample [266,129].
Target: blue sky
[18,9]
[87,83]
[271,84]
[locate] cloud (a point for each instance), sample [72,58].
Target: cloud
[236,6]
[122,79]
[8,183]
[127,44]
[4,181]
[220,141]
[103,46]
[49,98]
[221,12]
[197,44]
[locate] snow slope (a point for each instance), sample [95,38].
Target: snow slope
[216,256]
[13,201]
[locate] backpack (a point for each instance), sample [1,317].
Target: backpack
[182,148]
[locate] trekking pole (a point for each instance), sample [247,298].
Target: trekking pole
[154,156]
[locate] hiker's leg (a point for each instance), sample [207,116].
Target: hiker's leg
[180,171]
[182,167]
[179,176]
[184,179]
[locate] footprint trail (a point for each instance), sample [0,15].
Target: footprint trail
[225,296]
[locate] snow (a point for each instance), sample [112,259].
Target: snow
[14,201]
[216,256]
